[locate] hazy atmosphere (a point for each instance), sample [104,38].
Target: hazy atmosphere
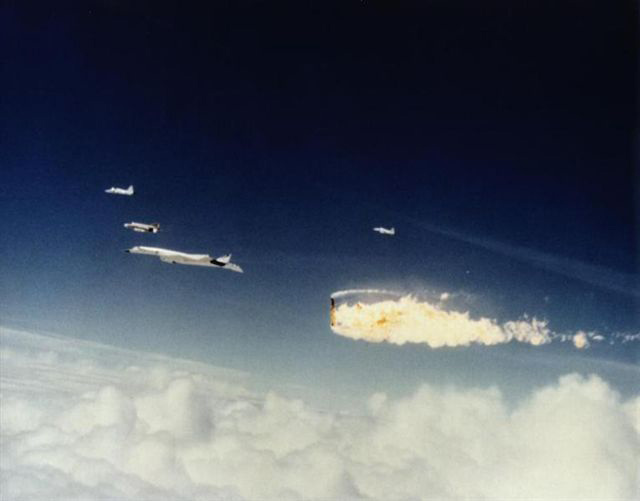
[482,343]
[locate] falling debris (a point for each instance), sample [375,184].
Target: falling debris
[628,338]
[580,340]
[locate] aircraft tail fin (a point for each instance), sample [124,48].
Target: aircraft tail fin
[224,259]
[130,189]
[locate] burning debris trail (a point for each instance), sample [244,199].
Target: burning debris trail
[407,320]
[377,316]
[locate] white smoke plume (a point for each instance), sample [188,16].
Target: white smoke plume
[82,421]
[349,292]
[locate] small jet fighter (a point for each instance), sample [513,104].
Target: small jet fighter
[142,227]
[385,231]
[120,191]
[175,257]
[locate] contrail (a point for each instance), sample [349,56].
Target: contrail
[600,276]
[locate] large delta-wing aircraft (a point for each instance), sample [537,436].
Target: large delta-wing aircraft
[143,227]
[120,191]
[175,257]
[385,231]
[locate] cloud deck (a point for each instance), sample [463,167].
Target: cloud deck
[117,424]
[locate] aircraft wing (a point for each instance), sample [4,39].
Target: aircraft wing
[225,262]
[199,258]
[233,267]
[181,258]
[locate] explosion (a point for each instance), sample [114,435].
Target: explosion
[376,315]
[407,320]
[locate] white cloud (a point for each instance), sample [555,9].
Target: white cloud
[83,421]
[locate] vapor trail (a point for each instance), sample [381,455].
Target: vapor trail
[600,276]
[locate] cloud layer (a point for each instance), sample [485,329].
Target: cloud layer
[83,421]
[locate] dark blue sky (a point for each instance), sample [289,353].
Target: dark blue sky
[284,133]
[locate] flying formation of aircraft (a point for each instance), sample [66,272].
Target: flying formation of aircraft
[143,227]
[385,231]
[120,191]
[168,255]
[176,257]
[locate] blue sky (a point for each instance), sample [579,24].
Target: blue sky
[283,136]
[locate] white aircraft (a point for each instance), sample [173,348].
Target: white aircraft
[385,231]
[175,257]
[142,227]
[120,191]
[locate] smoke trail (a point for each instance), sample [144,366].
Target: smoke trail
[349,292]
[405,319]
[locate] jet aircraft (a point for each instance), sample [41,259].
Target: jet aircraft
[176,257]
[120,191]
[385,231]
[143,227]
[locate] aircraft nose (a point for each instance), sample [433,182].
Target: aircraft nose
[127,251]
